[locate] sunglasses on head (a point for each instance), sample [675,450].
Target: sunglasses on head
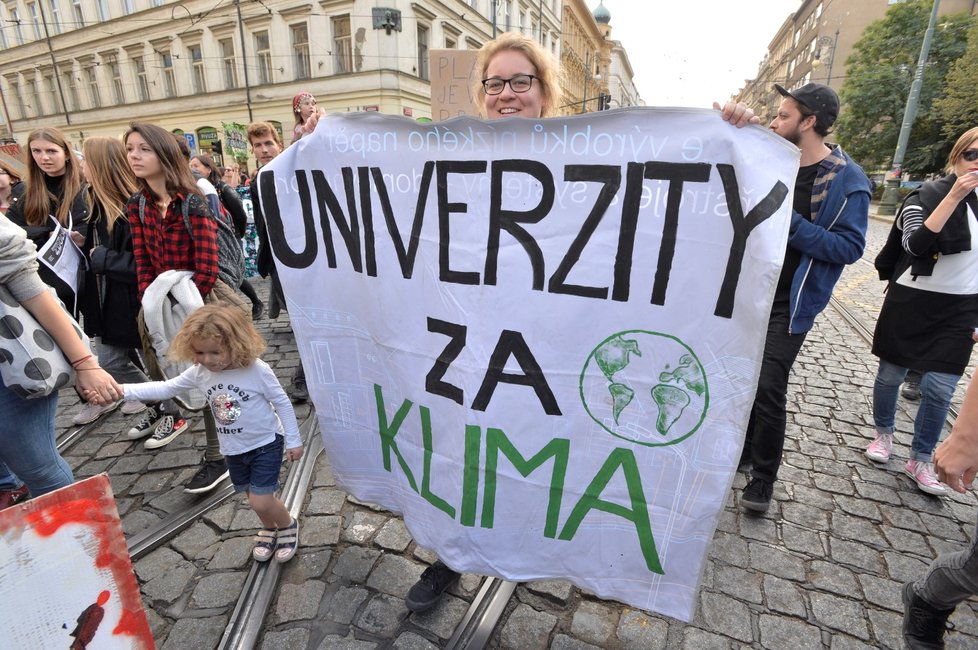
[971,155]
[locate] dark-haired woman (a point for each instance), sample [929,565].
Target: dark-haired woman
[930,312]
[228,197]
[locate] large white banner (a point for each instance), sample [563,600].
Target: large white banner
[537,339]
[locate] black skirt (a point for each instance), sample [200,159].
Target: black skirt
[926,330]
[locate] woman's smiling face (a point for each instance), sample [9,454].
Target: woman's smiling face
[504,65]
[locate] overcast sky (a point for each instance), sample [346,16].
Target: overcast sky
[692,52]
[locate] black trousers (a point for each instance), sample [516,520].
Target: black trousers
[764,443]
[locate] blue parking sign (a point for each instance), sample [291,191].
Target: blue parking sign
[191,141]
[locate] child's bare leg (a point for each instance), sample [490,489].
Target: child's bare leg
[270,510]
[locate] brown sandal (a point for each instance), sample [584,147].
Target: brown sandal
[265,544]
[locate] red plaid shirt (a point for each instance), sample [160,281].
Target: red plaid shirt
[163,244]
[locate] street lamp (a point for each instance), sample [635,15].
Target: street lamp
[830,43]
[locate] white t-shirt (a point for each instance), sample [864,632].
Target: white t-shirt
[249,404]
[953,274]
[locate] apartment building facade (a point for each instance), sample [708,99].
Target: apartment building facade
[91,66]
[813,44]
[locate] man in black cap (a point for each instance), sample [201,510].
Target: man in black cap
[828,231]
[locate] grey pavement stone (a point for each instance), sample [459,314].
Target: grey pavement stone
[355,563]
[362,526]
[724,615]
[195,633]
[558,591]
[808,497]
[527,629]
[113,450]
[323,477]
[343,605]
[564,642]
[172,500]
[92,468]
[442,619]
[842,642]
[218,590]
[739,584]
[234,553]
[946,528]
[802,540]
[854,554]
[299,602]
[887,628]
[881,592]
[412,641]
[320,531]
[393,536]
[779,633]
[335,642]
[831,577]
[776,561]
[382,615]
[425,555]
[783,596]
[168,586]
[805,515]
[152,482]
[296,637]
[731,549]
[221,516]
[156,564]
[697,639]
[394,575]
[761,529]
[639,631]
[856,529]
[307,565]
[326,501]
[842,614]
[907,541]
[121,483]
[859,507]
[130,465]
[167,459]
[879,493]
[192,542]
[903,568]
[246,519]
[594,622]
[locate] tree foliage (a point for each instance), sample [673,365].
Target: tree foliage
[958,108]
[879,73]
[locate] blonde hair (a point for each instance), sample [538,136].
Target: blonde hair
[540,59]
[111,181]
[262,129]
[226,323]
[966,139]
[37,198]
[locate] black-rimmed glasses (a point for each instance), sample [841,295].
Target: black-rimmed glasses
[971,155]
[519,83]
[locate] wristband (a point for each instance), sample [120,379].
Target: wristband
[82,360]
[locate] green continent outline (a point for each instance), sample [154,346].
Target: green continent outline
[622,333]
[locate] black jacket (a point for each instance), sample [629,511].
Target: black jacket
[110,302]
[40,234]
[232,203]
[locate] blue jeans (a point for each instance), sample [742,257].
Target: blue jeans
[936,389]
[7,479]
[256,471]
[951,578]
[28,447]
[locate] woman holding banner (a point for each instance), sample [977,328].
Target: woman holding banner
[54,212]
[517,78]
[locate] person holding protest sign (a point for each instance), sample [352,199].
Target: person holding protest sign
[952,577]
[518,78]
[929,314]
[162,242]
[54,212]
[829,216]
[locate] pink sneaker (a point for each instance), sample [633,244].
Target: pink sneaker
[923,475]
[879,450]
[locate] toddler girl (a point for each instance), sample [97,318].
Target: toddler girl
[303,107]
[252,411]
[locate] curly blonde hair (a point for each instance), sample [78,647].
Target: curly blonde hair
[226,323]
[540,59]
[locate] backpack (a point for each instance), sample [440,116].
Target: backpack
[230,259]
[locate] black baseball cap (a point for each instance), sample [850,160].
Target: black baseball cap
[818,98]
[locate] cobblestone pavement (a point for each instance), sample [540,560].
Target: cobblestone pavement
[822,569]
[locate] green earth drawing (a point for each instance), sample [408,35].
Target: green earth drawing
[646,387]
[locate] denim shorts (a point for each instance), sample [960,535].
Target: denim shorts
[256,471]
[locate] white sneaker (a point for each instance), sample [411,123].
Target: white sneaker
[132,407]
[90,412]
[146,424]
[167,429]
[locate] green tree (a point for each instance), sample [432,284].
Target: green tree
[879,73]
[958,108]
